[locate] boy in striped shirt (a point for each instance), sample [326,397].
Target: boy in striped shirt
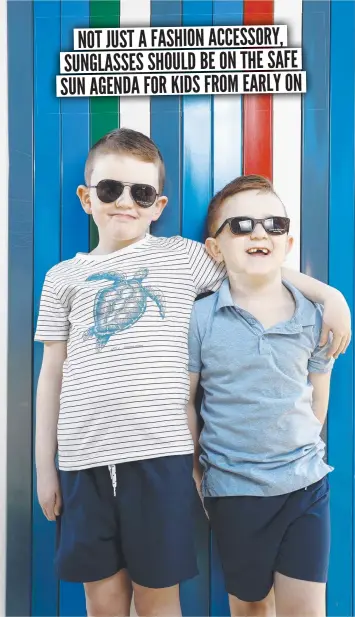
[113,388]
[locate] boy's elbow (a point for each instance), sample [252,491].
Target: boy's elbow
[320,408]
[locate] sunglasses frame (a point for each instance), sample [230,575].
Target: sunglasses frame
[123,184]
[255,221]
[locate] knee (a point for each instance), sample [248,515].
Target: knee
[150,602]
[262,608]
[146,601]
[107,604]
[97,607]
[257,609]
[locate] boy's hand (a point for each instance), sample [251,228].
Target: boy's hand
[197,475]
[336,319]
[198,480]
[49,493]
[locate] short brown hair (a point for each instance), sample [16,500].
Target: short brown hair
[239,185]
[129,142]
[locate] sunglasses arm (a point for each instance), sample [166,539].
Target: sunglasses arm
[226,222]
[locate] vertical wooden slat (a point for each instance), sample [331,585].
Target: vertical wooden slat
[342,276]
[75,129]
[287,133]
[227,156]
[315,139]
[165,121]
[135,110]
[196,193]
[18,469]
[257,125]
[4,285]
[47,252]
[104,111]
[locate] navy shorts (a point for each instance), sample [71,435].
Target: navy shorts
[148,527]
[258,536]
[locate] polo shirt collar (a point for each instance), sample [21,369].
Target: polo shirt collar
[224,295]
[304,314]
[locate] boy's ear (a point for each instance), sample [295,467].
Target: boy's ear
[213,249]
[159,207]
[289,245]
[84,196]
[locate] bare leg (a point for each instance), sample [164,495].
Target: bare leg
[264,608]
[110,597]
[296,598]
[157,602]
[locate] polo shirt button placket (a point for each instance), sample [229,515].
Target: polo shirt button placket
[264,347]
[261,341]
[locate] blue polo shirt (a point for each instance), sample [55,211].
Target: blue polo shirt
[260,435]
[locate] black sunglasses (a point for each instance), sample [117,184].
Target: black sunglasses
[109,191]
[242,225]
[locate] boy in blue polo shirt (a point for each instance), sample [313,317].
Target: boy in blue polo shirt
[255,346]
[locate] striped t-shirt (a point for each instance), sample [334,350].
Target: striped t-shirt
[125,317]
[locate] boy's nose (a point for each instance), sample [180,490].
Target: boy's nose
[259,231]
[125,199]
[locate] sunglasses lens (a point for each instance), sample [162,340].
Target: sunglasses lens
[240,226]
[276,225]
[109,190]
[144,195]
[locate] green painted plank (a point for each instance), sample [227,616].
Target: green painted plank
[104,111]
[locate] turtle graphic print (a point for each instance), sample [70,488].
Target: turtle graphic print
[120,304]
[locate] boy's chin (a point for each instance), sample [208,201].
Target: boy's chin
[125,235]
[262,269]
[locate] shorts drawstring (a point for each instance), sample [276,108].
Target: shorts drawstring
[112,470]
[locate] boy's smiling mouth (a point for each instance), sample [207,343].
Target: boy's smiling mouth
[124,216]
[258,250]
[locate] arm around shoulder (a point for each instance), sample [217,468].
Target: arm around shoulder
[320,367]
[320,397]
[336,316]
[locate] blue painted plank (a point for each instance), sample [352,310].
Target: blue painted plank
[227,165]
[227,111]
[196,193]
[75,130]
[71,600]
[166,130]
[315,140]
[46,253]
[341,275]
[75,222]
[19,404]
[75,127]
[315,145]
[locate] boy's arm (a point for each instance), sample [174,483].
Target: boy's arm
[193,423]
[320,367]
[336,316]
[195,366]
[207,274]
[320,399]
[47,411]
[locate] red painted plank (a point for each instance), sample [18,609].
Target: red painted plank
[257,108]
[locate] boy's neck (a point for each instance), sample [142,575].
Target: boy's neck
[244,286]
[107,245]
[266,298]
